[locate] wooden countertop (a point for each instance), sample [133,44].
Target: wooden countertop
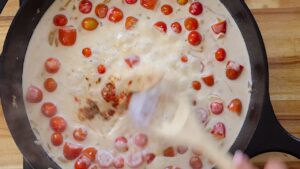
[279,21]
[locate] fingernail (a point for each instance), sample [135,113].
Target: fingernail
[239,158]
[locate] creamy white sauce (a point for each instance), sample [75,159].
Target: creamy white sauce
[111,43]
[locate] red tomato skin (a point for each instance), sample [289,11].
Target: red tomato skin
[176,27]
[130,1]
[233,70]
[67,35]
[89,24]
[169,152]
[209,80]
[149,157]
[196,85]
[49,109]
[71,151]
[80,134]
[196,8]
[115,15]
[191,24]
[235,106]
[52,65]
[58,124]
[57,139]
[90,152]
[34,94]
[85,6]
[60,20]
[219,130]
[220,55]
[216,108]
[182,2]
[130,22]
[166,9]
[87,52]
[50,85]
[101,10]
[161,26]
[82,163]
[149,4]
[101,69]
[194,38]
[220,27]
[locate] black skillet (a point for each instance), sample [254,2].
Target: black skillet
[260,133]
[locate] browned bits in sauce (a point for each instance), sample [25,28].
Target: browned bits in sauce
[107,115]
[88,112]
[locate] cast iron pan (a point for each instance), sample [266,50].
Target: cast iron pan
[260,133]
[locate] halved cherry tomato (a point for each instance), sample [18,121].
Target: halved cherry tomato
[141,140]
[119,162]
[184,59]
[109,92]
[49,109]
[101,10]
[191,24]
[87,52]
[220,27]
[82,163]
[166,9]
[85,6]
[235,106]
[34,94]
[60,20]
[130,1]
[149,4]
[216,107]
[71,151]
[219,130]
[149,157]
[50,85]
[169,152]
[58,124]
[80,134]
[233,70]
[176,27]
[67,35]
[161,26]
[220,55]
[89,23]
[196,8]
[195,162]
[209,80]
[52,65]
[121,144]
[115,15]
[130,22]
[182,2]
[135,160]
[90,152]
[57,139]
[105,159]
[182,149]
[132,61]
[194,38]
[196,85]
[101,69]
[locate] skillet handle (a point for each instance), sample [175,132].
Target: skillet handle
[2,5]
[270,136]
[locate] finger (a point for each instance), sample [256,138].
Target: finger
[241,161]
[275,164]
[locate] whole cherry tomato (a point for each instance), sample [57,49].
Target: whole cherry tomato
[80,134]
[60,20]
[191,24]
[82,163]
[130,1]
[67,35]
[50,85]
[220,55]
[194,38]
[58,124]
[34,94]
[196,8]
[52,65]
[182,2]
[101,10]
[57,139]
[115,15]
[87,52]
[49,109]
[89,23]
[169,152]
[149,4]
[166,9]
[85,6]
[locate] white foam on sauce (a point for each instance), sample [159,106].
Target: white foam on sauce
[111,43]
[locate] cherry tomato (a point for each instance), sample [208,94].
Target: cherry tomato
[115,15]
[85,6]
[216,107]
[184,59]
[50,85]
[149,157]
[161,26]
[130,1]
[220,27]
[196,85]
[135,160]
[121,144]
[182,149]
[49,109]
[176,27]
[130,22]
[60,20]
[166,9]
[105,159]
[141,140]
[219,130]
[90,152]
[52,65]
[209,80]
[220,55]
[34,94]
[87,52]
[109,92]
[101,10]
[233,70]
[119,162]
[195,162]
[194,38]
[80,134]
[149,4]
[196,8]
[191,24]
[82,163]
[71,151]
[235,106]
[89,23]
[58,124]
[57,139]
[132,61]
[101,69]
[67,35]
[169,152]
[182,2]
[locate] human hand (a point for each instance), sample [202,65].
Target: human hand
[241,161]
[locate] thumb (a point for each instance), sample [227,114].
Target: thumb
[241,161]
